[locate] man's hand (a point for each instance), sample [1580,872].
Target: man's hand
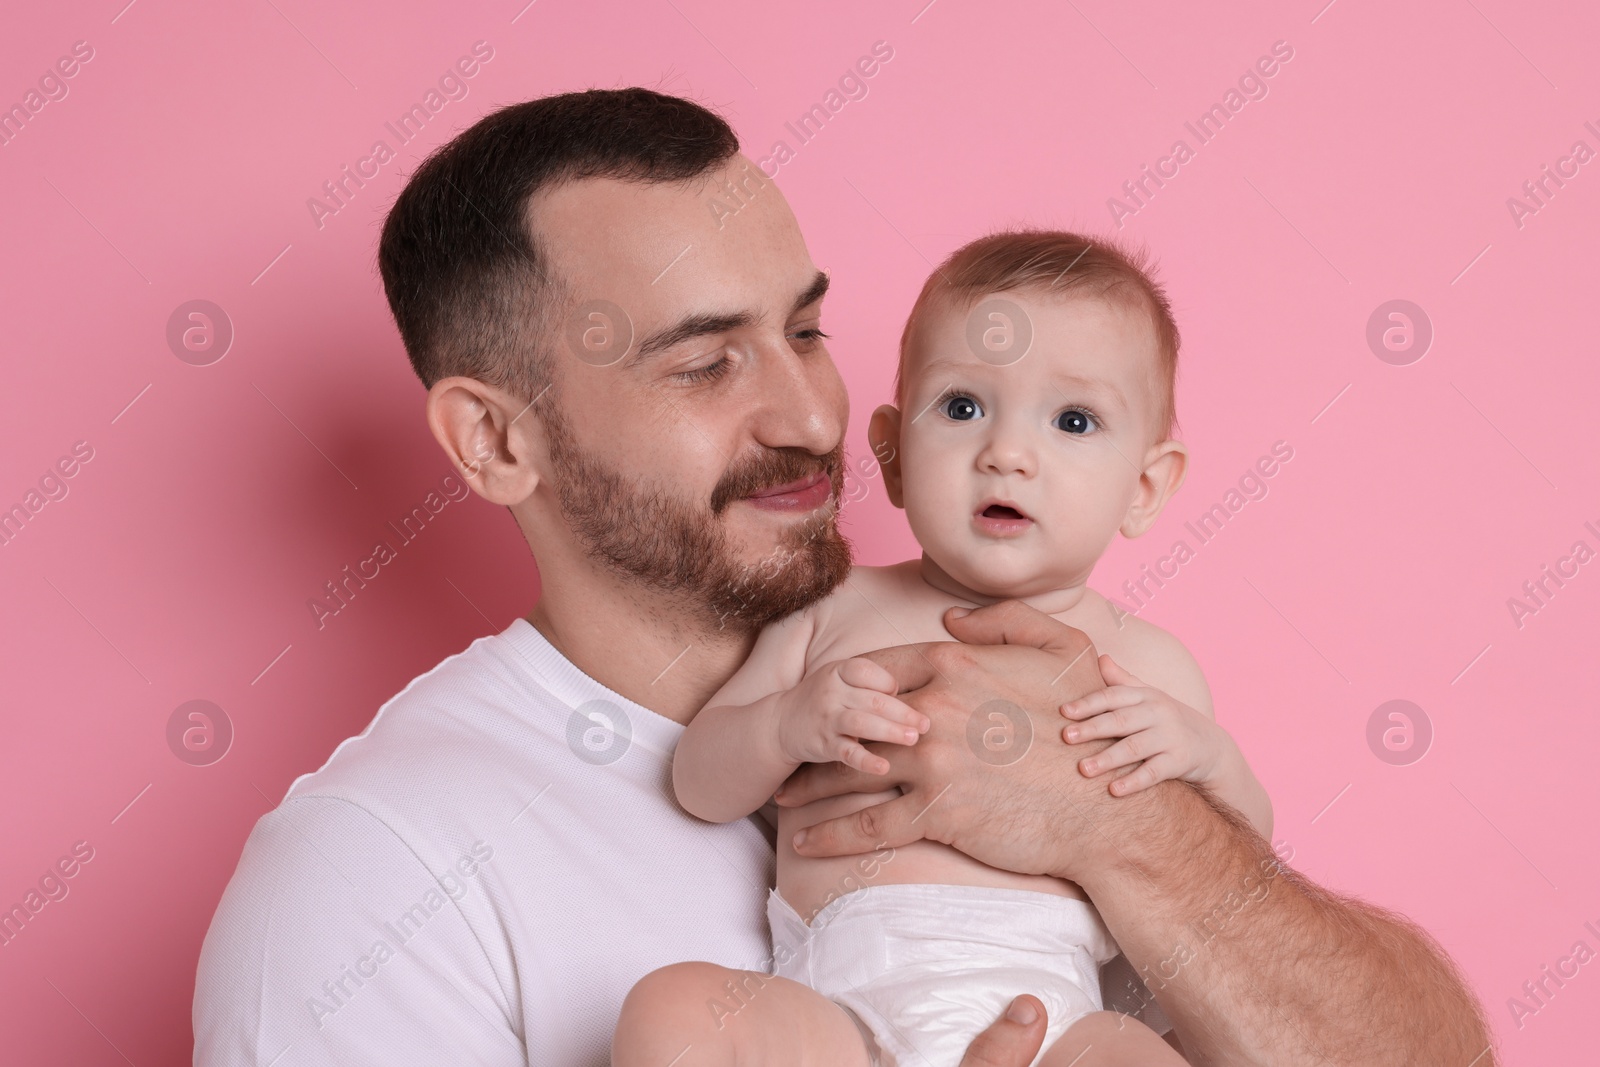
[1159,864]
[1021,804]
[1014,1040]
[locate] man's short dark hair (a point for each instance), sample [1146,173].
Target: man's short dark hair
[467,282]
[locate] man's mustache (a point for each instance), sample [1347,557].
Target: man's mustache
[777,466]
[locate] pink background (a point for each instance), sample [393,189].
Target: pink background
[1379,566]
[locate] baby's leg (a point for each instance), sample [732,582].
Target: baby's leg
[702,1015]
[1110,1039]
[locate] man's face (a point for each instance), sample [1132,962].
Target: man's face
[697,427]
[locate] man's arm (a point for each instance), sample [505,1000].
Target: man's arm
[1253,963]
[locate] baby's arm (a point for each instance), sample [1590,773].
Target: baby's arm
[771,717]
[1171,729]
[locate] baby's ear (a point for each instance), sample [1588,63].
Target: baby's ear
[1165,466]
[883,434]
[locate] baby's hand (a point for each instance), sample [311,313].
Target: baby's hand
[827,715]
[1171,739]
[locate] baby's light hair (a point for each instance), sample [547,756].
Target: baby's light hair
[1053,261]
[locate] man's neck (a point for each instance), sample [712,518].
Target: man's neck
[642,645]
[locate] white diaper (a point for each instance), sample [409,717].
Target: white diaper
[926,968]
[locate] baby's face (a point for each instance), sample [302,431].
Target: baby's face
[1016,477]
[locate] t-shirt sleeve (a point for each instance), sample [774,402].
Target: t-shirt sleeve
[335,944]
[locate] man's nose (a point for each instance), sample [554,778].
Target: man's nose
[802,404]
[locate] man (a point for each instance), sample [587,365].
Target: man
[619,326]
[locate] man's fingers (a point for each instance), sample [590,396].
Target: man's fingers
[1014,1040]
[887,825]
[1011,622]
[813,781]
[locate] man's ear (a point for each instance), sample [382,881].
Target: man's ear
[1165,467]
[883,434]
[491,436]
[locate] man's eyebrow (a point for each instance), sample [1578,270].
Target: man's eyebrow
[686,329]
[705,324]
[813,292]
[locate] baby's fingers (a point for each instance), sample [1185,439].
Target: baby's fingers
[1118,723]
[863,673]
[887,707]
[1115,674]
[1102,700]
[869,726]
[851,753]
[1159,768]
[1131,749]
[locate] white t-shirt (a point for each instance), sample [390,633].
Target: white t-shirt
[478,878]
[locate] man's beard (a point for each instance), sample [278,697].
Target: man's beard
[668,543]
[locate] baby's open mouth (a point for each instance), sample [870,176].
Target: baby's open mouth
[1001,511]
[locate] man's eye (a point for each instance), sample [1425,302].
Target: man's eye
[1075,421]
[709,372]
[961,408]
[809,337]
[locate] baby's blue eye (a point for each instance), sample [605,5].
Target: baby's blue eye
[1075,421]
[962,408]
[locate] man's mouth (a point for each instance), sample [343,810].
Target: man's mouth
[1001,518]
[805,494]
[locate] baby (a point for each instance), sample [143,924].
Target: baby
[1032,420]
